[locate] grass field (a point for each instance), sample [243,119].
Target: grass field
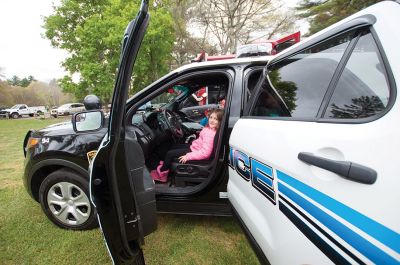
[28,237]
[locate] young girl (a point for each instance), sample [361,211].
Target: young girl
[200,148]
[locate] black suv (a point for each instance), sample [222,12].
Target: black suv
[57,157]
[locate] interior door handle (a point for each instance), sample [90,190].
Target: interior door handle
[347,169]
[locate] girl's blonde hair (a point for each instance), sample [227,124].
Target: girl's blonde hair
[219,113]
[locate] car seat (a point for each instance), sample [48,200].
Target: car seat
[194,171]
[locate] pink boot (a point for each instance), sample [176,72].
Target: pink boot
[163,175]
[154,175]
[158,175]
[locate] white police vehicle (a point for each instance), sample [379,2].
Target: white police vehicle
[313,167]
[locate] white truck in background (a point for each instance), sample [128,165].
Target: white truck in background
[21,110]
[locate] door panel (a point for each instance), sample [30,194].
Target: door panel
[344,219]
[120,187]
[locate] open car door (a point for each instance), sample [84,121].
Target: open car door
[121,188]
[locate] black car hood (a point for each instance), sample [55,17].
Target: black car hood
[66,128]
[62,128]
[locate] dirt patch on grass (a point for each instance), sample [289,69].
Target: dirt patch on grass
[9,183]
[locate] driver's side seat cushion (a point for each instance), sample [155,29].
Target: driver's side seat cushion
[195,171]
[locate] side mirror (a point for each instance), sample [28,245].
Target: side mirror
[88,121]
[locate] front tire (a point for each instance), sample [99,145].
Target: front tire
[64,197]
[15,115]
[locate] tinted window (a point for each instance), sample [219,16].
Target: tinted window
[252,80]
[301,80]
[362,89]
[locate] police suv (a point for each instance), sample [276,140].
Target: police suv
[303,155]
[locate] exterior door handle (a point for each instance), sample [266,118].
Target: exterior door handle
[346,169]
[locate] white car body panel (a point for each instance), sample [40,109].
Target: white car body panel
[363,219]
[21,109]
[70,108]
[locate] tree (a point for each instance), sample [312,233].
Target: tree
[14,81]
[323,13]
[91,31]
[31,78]
[24,82]
[361,107]
[233,22]
[186,46]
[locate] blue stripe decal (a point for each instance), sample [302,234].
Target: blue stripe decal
[261,171]
[320,243]
[365,247]
[383,234]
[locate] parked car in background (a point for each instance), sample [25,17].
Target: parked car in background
[39,109]
[21,110]
[67,109]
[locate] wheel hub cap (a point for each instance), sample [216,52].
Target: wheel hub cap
[68,203]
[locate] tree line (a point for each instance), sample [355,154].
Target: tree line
[23,82]
[35,94]
[91,31]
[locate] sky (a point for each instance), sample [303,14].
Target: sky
[23,50]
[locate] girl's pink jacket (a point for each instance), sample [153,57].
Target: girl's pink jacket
[202,147]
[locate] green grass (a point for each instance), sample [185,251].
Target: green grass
[28,237]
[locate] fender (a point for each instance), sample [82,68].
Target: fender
[33,189]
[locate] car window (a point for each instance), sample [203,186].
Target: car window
[22,107]
[362,90]
[252,80]
[191,97]
[301,81]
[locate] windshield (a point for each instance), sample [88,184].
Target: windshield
[169,96]
[15,107]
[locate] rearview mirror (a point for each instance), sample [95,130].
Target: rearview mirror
[88,121]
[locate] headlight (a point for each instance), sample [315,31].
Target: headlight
[32,142]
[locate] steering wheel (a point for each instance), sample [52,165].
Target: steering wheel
[173,123]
